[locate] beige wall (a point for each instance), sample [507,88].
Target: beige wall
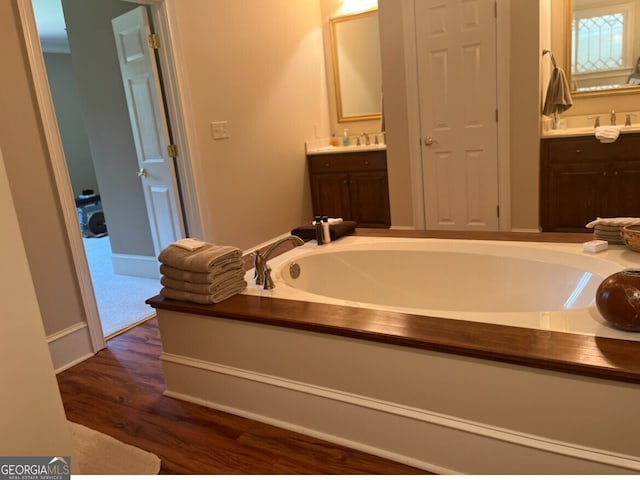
[259,66]
[525,110]
[32,418]
[64,91]
[32,186]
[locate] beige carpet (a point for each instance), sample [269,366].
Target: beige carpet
[100,454]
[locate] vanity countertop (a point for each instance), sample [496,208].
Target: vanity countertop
[329,149]
[583,131]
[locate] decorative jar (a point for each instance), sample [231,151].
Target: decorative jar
[618,299]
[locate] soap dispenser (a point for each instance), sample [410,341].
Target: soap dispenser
[346,140]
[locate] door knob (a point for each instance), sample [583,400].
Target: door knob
[141,173]
[429,141]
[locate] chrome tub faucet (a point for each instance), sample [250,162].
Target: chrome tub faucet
[262,271]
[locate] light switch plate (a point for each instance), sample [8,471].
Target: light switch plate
[220,130]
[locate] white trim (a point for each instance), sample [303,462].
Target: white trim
[181,117]
[135,265]
[60,172]
[384,419]
[70,346]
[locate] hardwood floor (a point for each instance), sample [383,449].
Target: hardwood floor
[119,392]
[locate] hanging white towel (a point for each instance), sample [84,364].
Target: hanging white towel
[607,134]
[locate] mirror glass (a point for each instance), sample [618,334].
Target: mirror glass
[357,72]
[603,39]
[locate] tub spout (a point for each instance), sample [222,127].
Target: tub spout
[262,271]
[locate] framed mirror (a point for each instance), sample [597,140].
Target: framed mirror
[603,46]
[357,73]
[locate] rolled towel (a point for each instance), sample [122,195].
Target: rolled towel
[217,297]
[220,268]
[202,260]
[204,288]
[607,134]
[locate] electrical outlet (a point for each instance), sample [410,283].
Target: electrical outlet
[219,130]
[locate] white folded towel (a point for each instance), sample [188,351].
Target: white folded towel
[613,222]
[189,244]
[607,134]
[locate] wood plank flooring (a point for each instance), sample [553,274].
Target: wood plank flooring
[119,392]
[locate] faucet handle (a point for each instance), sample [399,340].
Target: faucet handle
[258,274]
[627,120]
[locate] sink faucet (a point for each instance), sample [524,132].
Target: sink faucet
[262,273]
[613,117]
[367,141]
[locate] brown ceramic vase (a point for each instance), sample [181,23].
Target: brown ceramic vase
[618,299]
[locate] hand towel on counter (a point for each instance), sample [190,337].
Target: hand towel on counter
[221,283]
[220,268]
[607,134]
[204,298]
[337,230]
[202,260]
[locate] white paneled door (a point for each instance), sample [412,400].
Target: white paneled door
[149,125]
[456,48]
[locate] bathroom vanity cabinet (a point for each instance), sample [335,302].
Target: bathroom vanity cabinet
[351,185]
[582,179]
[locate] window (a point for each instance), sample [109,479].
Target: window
[598,42]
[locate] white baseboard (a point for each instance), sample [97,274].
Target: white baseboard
[431,441]
[135,265]
[70,346]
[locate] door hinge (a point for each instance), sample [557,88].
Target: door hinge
[495,9]
[154,41]
[496,115]
[172,150]
[498,211]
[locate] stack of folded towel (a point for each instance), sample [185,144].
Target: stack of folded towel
[610,229]
[201,272]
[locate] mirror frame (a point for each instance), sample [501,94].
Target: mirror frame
[568,17]
[336,70]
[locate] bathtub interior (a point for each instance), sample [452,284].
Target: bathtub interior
[535,285]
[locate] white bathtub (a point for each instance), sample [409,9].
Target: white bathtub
[545,286]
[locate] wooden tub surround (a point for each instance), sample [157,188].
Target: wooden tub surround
[447,396]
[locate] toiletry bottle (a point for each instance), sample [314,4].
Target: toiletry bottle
[346,140]
[319,231]
[326,233]
[334,141]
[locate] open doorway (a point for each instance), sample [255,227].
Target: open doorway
[101,159]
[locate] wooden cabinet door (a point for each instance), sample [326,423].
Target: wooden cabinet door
[578,193]
[330,195]
[625,189]
[369,195]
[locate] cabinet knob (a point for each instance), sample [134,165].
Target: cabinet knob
[604,174]
[577,150]
[327,164]
[366,162]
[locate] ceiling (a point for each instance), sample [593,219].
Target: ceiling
[51,26]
